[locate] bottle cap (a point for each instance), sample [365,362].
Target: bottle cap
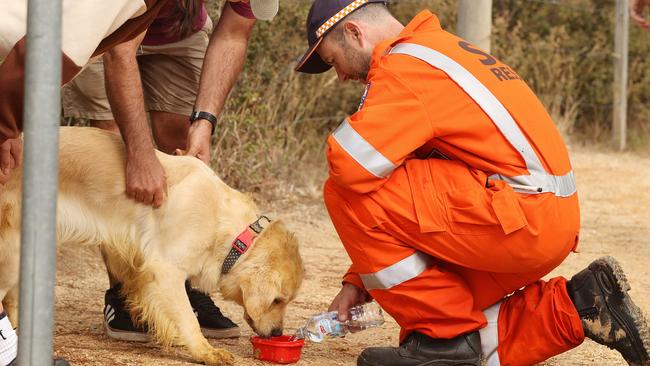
[300,333]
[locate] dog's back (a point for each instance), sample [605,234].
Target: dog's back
[92,204]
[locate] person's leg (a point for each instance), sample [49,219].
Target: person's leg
[532,325]
[547,318]
[8,339]
[85,98]
[468,242]
[169,130]
[433,306]
[542,310]
[108,125]
[170,78]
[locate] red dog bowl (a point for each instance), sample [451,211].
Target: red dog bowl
[282,349]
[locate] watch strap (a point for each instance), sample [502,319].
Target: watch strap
[197,115]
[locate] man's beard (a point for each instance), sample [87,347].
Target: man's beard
[360,63]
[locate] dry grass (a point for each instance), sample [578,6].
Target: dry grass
[276,121]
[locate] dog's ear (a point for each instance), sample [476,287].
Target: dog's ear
[258,292]
[252,301]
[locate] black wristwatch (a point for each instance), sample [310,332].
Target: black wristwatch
[196,115]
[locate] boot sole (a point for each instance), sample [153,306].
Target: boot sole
[361,361]
[454,363]
[638,331]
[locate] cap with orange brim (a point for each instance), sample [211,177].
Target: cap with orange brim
[323,16]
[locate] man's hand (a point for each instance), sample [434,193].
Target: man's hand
[637,12]
[145,179]
[349,296]
[218,75]
[198,140]
[11,157]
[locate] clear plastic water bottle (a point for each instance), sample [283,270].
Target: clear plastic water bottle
[327,325]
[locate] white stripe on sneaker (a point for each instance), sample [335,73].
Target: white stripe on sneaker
[109,314]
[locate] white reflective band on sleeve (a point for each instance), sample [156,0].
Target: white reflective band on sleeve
[402,271]
[361,151]
[499,116]
[490,335]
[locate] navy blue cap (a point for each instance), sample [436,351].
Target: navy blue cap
[323,16]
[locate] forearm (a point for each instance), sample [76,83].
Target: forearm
[224,61]
[124,91]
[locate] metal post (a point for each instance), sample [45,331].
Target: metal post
[40,179]
[475,22]
[619,127]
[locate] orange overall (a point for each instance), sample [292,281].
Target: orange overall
[450,189]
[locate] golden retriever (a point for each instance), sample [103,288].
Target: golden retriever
[153,251]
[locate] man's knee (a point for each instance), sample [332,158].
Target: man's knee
[169,131]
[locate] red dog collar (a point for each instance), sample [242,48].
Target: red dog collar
[242,243]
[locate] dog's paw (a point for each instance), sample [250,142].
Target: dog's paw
[219,357]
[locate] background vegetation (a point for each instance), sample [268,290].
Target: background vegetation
[277,121]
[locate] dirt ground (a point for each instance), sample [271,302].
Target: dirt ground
[615,199]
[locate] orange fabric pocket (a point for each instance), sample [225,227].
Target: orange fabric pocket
[507,209]
[470,212]
[429,205]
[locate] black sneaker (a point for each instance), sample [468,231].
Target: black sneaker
[608,314]
[117,320]
[213,323]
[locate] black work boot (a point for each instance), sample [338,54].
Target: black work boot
[608,314]
[420,350]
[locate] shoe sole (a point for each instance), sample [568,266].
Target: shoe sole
[122,335]
[620,289]
[361,361]
[213,333]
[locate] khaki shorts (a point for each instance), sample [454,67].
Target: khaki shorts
[170,76]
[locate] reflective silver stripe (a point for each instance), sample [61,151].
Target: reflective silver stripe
[490,335]
[402,271]
[361,151]
[561,186]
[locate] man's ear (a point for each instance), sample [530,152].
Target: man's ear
[354,32]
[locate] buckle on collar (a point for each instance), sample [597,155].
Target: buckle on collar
[257,226]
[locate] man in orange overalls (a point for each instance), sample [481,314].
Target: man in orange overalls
[453,194]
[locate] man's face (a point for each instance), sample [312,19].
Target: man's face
[348,57]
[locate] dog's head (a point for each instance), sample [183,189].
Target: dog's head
[266,279]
